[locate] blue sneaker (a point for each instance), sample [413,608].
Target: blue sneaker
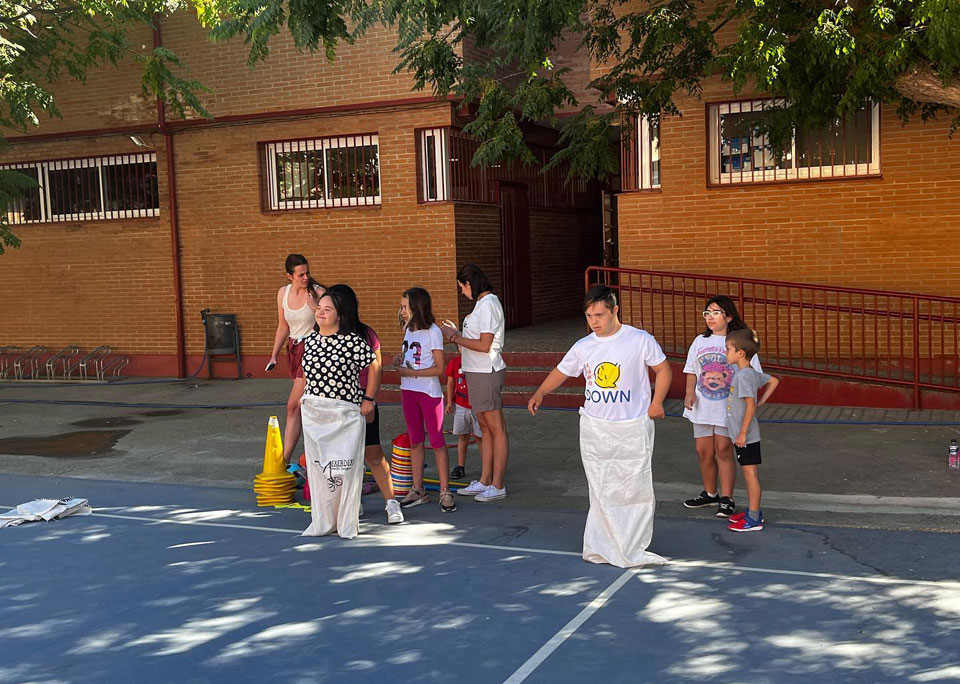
[746,524]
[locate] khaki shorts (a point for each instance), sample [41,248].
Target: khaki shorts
[485,390]
[704,430]
[465,422]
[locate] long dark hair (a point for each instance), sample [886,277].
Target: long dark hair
[421,309]
[345,302]
[473,275]
[729,309]
[294,260]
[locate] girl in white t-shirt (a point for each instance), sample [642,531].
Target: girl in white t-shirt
[705,404]
[420,365]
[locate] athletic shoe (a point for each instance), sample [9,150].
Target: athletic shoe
[394,514]
[447,504]
[414,497]
[491,493]
[726,507]
[457,472]
[737,516]
[747,524]
[472,489]
[701,500]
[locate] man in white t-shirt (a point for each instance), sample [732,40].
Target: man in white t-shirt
[616,429]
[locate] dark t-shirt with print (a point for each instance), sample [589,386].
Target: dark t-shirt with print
[332,365]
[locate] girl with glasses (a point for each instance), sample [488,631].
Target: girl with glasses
[705,404]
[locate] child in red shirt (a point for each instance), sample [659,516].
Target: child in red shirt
[465,420]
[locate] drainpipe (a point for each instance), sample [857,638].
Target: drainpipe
[174,219]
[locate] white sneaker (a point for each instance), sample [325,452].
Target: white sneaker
[491,493]
[394,514]
[474,488]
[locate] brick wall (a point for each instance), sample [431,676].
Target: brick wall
[891,233]
[562,245]
[288,79]
[478,242]
[89,283]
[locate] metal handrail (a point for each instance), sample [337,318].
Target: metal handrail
[895,338]
[31,357]
[63,357]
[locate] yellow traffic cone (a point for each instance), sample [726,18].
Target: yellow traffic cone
[273,449]
[274,485]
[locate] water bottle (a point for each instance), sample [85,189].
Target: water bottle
[953,461]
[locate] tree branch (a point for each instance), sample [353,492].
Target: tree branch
[923,84]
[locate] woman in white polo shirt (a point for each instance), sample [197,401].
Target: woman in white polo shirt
[481,342]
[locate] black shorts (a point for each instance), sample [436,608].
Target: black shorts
[373,429]
[748,455]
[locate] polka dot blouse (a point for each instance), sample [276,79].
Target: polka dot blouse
[332,365]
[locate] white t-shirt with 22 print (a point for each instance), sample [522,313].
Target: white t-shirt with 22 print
[487,317]
[418,346]
[615,369]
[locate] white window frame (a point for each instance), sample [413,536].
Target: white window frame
[441,161]
[320,145]
[647,141]
[852,170]
[43,169]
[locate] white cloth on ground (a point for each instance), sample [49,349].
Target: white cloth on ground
[333,436]
[617,461]
[45,509]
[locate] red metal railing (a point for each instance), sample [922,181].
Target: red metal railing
[894,338]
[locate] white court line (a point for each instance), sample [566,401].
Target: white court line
[869,579]
[533,662]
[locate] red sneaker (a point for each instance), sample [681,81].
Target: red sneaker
[737,517]
[746,524]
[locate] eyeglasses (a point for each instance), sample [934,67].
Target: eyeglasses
[712,313]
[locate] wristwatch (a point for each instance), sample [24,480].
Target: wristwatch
[366,398]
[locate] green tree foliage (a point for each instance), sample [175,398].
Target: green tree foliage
[820,58]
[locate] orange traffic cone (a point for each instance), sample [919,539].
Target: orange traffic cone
[274,485]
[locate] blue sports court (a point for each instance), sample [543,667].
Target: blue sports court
[193,584]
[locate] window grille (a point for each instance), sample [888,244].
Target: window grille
[640,154]
[88,189]
[338,171]
[740,152]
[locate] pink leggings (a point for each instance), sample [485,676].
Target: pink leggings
[420,408]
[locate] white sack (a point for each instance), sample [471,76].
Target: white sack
[44,509]
[616,458]
[333,436]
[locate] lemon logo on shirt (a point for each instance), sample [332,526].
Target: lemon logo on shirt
[606,375]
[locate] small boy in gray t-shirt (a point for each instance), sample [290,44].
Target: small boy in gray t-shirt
[743,345]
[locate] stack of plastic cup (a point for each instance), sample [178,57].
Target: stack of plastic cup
[401,472]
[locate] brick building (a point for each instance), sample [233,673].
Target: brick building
[870,204]
[338,161]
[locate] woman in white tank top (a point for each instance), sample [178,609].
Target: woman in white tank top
[296,311]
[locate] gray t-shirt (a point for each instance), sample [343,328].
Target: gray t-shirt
[745,383]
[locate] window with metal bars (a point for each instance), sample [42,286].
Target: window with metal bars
[88,189]
[338,171]
[741,152]
[640,154]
